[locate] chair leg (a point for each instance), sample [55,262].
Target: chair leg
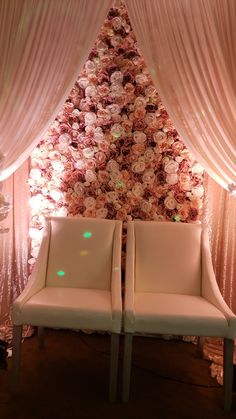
[127,366]
[114,366]
[41,336]
[200,344]
[16,353]
[228,372]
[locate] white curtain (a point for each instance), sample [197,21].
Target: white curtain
[190,49]
[43,45]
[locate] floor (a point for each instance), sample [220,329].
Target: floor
[69,379]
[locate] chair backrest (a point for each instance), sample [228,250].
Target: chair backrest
[80,253]
[167,257]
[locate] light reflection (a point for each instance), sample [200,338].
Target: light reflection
[83,253]
[87,234]
[60,273]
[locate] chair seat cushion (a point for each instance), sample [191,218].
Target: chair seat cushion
[175,314]
[69,308]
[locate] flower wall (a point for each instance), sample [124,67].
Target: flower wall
[112,151]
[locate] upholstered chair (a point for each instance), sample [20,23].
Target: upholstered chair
[75,284]
[171,289]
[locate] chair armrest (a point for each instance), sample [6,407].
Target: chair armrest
[116,299]
[210,289]
[129,275]
[37,278]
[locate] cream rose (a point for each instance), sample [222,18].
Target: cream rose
[170,202]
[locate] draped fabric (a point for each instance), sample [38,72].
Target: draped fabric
[14,245]
[43,45]
[190,49]
[220,216]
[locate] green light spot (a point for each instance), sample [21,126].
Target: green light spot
[177,218]
[87,235]
[60,273]
[119,184]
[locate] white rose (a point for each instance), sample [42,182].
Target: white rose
[198,191]
[171,167]
[172,178]
[56,195]
[83,82]
[65,138]
[197,168]
[116,77]
[90,118]
[35,174]
[88,152]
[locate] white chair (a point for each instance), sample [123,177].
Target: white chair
[75,284]
[171,289]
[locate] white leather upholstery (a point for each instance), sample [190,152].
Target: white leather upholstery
[86,261]
[170,283]
[175,313]
[172,248]
[170,288]
[71,308]
[76,282]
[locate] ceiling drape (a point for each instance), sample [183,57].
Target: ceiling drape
[190,49]
[43,46]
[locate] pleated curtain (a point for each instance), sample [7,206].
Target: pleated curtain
[43,46]
[190,49]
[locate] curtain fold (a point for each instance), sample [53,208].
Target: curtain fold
[190,49]
[43,45]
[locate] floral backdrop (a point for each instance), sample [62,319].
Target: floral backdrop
[113,151]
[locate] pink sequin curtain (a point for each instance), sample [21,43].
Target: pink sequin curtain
[220,216]
[14,245]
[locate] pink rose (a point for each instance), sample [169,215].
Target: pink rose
[138,149]
[90,176]
[183,210]
[184,182]
[129,88]
[121,214]
[139,137]
[89,213]
[90,164]
[140,113]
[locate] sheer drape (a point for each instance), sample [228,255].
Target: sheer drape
[43,45]
[190,49]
